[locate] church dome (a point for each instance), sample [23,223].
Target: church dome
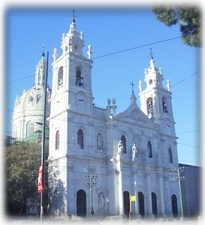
[29,107]
[31,102]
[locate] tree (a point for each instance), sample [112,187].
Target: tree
[21,169]
[188,18]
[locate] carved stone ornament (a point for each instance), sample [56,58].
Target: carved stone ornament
[91,170]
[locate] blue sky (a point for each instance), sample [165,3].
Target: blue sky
[110,31]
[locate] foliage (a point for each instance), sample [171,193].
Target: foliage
[21,169]
[188,18]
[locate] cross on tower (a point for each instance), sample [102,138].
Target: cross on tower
[132,86]
[74,16]
[43,54]
[151,54]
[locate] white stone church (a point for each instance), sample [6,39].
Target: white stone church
[97,158]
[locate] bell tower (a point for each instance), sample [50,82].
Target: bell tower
[71,84]
[71,88]
[155,100]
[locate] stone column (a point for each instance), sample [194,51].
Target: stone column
[148,197]
[111,171]
[136,212]
[112,190]
[119,185]
[161,192]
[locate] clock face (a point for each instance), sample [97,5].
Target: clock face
[80,99]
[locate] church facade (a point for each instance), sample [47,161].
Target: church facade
[98,159]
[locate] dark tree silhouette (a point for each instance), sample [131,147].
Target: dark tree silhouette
[187,16]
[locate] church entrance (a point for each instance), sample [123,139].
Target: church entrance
[81,203]
[174,206]
[126,203]
[154,204]
[141,204]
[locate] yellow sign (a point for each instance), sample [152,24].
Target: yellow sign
[133,198]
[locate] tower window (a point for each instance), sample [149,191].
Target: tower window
[57,140]
[76,47]
[123,141]
[60,77]
[164,105]
[149,147]
[149,105]
[80,137]
[170,155]
[79,78]
[99,141]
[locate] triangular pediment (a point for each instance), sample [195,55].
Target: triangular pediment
[135,115]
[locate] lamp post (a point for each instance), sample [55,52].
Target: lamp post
[90,180]
[135,184]
[107,200]
[41,169]
[179,177]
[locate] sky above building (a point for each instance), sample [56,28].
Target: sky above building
[121,40]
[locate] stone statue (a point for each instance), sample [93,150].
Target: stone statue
[99,141]
[168,85]
[101,201]
[120,147]
[89,52]
[134,151]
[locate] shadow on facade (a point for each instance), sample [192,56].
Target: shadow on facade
[57,194]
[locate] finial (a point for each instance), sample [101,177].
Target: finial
[168,85]
[42,54]
[140,86]
[132,86]
[73,16]
[151,54]
[152,59]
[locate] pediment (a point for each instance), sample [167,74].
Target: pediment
[134,114]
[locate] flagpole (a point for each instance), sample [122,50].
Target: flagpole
[43,139]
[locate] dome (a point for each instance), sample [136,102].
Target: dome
[29,108]
[31,102]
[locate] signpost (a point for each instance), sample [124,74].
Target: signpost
[132,199]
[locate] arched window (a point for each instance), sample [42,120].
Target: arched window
[141,204]
[154,204]
[123,140]
[57,140]
[30,129]
[170,155]
[80,139]
[149,105]
[149,147]
[126,196]
[60,77]
[79,78]
[174,206]
[164,105]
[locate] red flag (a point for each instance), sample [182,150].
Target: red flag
[40,179]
